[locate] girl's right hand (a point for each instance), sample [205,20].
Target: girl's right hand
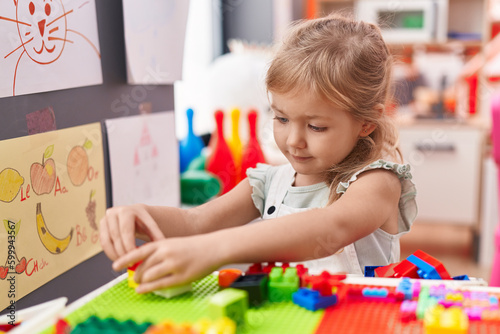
[120,226]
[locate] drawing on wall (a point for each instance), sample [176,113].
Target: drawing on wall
[144,159]
[50,242]
[43,175]
[56,187]
[154,40]
[48,45]
[19,264]
[78,163]
[10,184]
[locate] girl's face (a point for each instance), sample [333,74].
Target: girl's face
[312,134]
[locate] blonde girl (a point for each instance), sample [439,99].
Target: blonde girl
[340,204]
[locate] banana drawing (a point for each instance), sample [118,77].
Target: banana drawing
[53,244]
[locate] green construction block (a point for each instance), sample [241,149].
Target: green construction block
[282,286]
[110,326]
[231,303]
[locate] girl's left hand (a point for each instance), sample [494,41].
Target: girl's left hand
[170,262]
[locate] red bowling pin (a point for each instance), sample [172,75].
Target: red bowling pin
[221,161]
[253,153]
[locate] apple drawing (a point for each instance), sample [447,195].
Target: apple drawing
[43,176]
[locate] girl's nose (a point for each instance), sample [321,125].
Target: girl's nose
[296,138]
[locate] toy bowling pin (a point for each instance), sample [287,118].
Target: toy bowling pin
[253,153]
[221,161]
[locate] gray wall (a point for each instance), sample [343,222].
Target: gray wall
[79,106]
[252,20]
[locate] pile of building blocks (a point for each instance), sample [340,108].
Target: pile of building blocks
[439,309]
[418,265]
[443,308]
[272,283]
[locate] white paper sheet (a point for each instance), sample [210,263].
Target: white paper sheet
[154,39]
[48,45]
[144,159]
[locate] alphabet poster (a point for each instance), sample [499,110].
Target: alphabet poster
[144,159]
[52,196]
[154,40]
[48,45]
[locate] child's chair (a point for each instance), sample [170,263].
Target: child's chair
[495,137]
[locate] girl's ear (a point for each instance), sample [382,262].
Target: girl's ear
[366,129]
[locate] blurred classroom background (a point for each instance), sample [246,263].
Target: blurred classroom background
[447,71]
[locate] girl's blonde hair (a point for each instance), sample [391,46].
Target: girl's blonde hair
[346,63]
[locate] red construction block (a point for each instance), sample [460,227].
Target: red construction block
[228,276]
[324,283]
[438,266]
[385,271]
[405,269]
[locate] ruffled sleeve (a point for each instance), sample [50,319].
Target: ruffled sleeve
[257,177]
[407,202]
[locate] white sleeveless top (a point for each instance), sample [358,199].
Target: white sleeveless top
[274,196]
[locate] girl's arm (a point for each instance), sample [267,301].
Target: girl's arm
[232,209]
[121,225]
[371,202]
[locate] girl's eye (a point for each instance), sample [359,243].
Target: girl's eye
[317,128]
[282,120]
[32,8]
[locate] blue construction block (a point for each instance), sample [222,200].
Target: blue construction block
[405,287]
[461,278]
[312,300]
[425,270]
[375,292]
[370,271]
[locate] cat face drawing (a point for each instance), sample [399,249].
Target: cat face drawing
[42,28]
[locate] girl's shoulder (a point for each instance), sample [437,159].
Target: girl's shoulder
[407,201]
[403,172]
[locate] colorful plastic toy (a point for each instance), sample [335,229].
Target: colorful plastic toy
[204,326]
[495,138]
[438,320]
[228,276]
[198,186]
[282,285]
[428,267]
[324,283]
[221,161]
[231,303]
[234,143]
[255,285]
[313,300]
[252,154]
[130,275]
[190,147]
[110,326]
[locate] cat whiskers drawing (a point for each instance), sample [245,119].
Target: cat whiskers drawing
[42,28]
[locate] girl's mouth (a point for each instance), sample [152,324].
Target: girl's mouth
[299,158]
